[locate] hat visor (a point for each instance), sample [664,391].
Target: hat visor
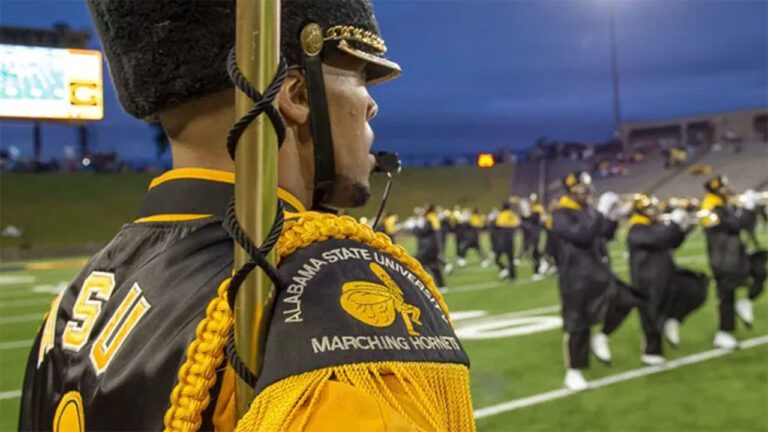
[379,69]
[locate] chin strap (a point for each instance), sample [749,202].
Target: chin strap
[389,164]
[320,122]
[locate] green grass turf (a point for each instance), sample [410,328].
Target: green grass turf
[729,393]
[92,207]
[68,208]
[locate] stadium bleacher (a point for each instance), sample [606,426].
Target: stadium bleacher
[746,168]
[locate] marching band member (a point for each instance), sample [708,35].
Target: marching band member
[471,226]
[388,225]
[427,231]
[672,292]
[503,228]
[532,213]
[590,292]
[731,266]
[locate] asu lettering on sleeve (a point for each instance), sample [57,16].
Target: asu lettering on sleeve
[120,325]
[96,290]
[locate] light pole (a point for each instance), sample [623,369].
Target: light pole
[615,76]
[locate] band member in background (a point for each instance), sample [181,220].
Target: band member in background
[672,292]
[532,213]
[503,228]
[388,225]
[451,224]
[473,224]
[723,222]
[427,231]
[590,292]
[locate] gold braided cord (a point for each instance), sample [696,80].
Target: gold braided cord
[197,375]
[431,396]
[423,396]
[341,32]
[312,227]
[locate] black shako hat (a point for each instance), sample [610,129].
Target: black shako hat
[718,184]
[578,182]
[163,53]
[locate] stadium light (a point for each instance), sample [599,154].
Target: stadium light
[485,160]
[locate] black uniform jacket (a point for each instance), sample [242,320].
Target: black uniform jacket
[575,241]
[727,253]
[109,353]
[532,226]
[428,236]
[503,231]
[652,265]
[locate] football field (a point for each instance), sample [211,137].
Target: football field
[512,332]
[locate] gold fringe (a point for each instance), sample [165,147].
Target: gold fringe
[197,375]
[433,396]
[436,395]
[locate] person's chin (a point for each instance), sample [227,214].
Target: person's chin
[349,194]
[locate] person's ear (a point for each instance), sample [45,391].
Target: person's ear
[292,101]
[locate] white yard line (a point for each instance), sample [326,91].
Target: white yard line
[465,315]
[33,291]
[15,344]
[527,312]
[13,394]
[472,287]
[613,379]
[13,280]
[513,314]
[506,284]
[25,302]
[21,318]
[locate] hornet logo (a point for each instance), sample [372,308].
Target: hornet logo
[377,305]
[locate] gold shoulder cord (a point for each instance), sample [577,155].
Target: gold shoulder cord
[438,393]
[197,375]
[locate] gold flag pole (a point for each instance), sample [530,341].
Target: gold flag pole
[258,54]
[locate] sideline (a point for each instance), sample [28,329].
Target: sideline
[13,394]
[16,344]
[613,379]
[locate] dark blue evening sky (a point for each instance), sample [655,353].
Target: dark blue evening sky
[479,75]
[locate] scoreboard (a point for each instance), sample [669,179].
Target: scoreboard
[50,83]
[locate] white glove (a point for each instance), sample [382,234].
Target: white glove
[681,218]
[420,222]
[525,208]
[409,223]
[616,213]
[748,198]
[606,203]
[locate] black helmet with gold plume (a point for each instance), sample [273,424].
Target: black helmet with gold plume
[645,205]
[718,185]
[578,183]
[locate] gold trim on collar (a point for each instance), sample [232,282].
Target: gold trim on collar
[358,35]
[568,202]
[638,219]
[194,173]
[170,217]
[290,199]
[210,175]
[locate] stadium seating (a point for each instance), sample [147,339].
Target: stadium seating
[747,168]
